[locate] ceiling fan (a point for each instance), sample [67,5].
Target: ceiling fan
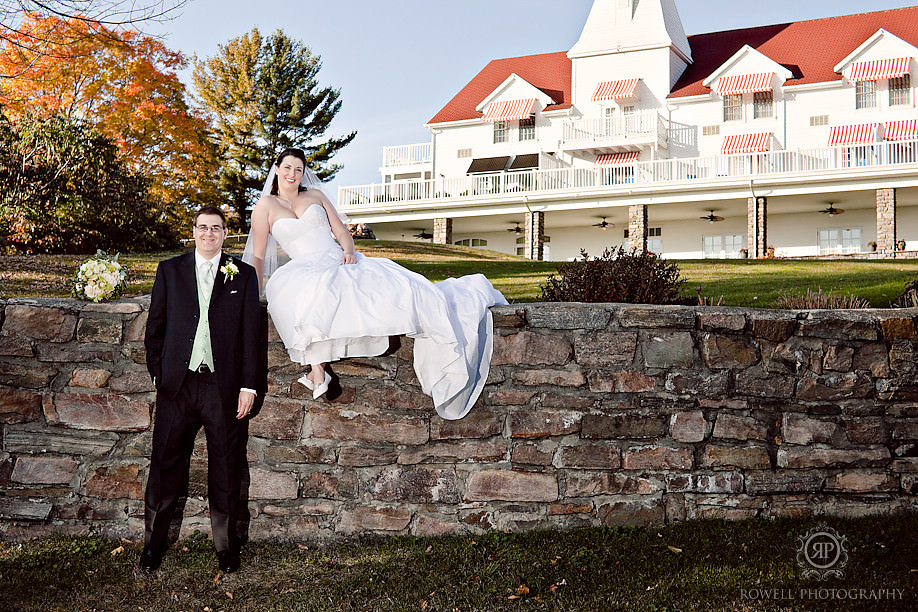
[516,229]
[712,218]
[831,210]
[423,234]
[603,224]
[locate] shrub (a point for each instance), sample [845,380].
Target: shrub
[818,300]
[909,298]
[615,276]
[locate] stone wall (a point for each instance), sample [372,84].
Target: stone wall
[593,415]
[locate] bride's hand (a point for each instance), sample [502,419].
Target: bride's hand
[349,258]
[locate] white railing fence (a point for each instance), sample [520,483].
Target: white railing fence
[407,155]
[666,171]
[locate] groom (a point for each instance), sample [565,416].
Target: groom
[203,344]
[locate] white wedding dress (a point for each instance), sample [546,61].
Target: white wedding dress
[325,310]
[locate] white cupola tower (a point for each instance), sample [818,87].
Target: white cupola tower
[630,39]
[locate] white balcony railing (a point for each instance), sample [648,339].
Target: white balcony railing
[407,155]
[640,126]
[637,174]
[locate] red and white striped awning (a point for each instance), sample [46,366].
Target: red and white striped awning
[615,90]
[853,134]
[904,129]
[746,143]
[617,159]
[744,83]
[510,110]
[879,69]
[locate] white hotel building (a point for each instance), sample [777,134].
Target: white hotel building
[799,136]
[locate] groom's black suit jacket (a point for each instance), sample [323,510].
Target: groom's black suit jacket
[236,322]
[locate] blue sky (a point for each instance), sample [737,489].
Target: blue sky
[398,62]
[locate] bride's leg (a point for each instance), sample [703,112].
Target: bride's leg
[317,373]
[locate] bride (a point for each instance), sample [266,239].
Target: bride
[331,302]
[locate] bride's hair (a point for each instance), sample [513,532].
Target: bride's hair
[297,153]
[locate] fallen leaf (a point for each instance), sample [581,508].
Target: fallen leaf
[674,549]
[423,604]
[513,597]
[302,547]
[117,551]
[429,548]
[217,578]
[522,590]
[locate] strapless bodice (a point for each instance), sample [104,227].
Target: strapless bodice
[306,236]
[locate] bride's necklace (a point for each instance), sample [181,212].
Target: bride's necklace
[291,206]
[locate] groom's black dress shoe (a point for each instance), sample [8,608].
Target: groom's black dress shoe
[150,559]
[228,560]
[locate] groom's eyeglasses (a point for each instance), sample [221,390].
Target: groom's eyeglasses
[209,228]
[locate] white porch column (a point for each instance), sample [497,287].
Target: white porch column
[637,227]
[886,222]
[535,235]
[443,231]
[757,224]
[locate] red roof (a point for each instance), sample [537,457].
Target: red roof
[809,49]
[550,72]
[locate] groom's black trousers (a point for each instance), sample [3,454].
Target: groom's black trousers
[178,421]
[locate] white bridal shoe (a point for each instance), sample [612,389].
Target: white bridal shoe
[304,380]
[321,389]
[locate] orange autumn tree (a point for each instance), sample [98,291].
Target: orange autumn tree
[123,84]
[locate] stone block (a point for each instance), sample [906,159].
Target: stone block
[773,329]
[656,457]
[739,427]
[28,437]
[868,430]
[77,353]
[15,346]
[427,526]
[898,328]
[862,481]
[766,482]
[728,352]
[362,456]
[591,484]
[509,397]
[42,470]
[833,387]
[668,350]
[322,508]
[543,423]
[555,377]
[29,376]
[874,357]
[105,331]
[631,513]
[103,412]
[838,358]
[599,426]
[688,426]
[24,510]
[743,457]
[699,383]
[466,451]
[365,518]
[329,484]
[416,485]
[909,484]
[808,457]
[508,317]
[657,317]
[507,485]
[565,509]
[132,381]
[90,378]
[633,382]
[720,321]
[532,454]
[531,348]
[368,427]
[385,398]
[265,484]
[380,369]
[757,382]
[478,423]
[567,316]
[135,328]
[114,308]
[605,349]
[565,401]
[116,482]
[904,464]
[590,456]
[278,419]
[716,482]
[39,323]
[905,430]
[802,429]
[839,325]
[19,406]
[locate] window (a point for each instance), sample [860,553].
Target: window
[865,94]
[527,129]
[521,246]
[463,153]
[473,242]
[817,120]
[501,131]
[609,121]
[733,107]
[722,247]
[710,130]
[763,104]
[837,241]
[900,90]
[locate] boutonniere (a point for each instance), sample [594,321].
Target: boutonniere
[229,270]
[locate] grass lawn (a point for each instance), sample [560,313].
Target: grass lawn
[740,282]
[694,565]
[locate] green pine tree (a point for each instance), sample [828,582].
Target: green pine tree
[263,95]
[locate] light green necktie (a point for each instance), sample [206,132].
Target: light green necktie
[201,351]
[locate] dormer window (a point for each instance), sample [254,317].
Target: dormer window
[763,104]
[865,94]
[900,90]
[501,131]
[527,129]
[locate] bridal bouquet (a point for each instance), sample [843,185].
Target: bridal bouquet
[99,278]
